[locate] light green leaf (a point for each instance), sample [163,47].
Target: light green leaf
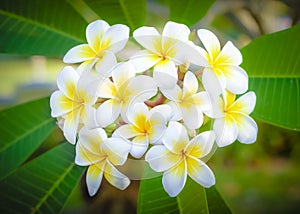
[43,185]
[273,64]
[129,12]
[193,199]
[23,128]
[189,12]
[35,27]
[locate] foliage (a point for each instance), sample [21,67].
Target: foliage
[50,28]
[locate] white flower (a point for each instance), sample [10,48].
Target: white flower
[72,101]
[187,104]
[123,91]
[232,119]
[224,64]
[100,153]
[144,127]
[179,157]
[164,52]
[103,42]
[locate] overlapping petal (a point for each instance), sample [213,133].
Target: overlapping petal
[200,172]
[174,179]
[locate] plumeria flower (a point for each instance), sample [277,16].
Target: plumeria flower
[145,126]
[164,52]
[179,157]
[103,42]
[72,101]
[224,64]
[122,91]
[232,120]
[101,154]
[187,103]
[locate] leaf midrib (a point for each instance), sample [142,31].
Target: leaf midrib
[39,24]
[27,133]
[124,9]
[54,186]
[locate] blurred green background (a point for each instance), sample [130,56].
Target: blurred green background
[260,178]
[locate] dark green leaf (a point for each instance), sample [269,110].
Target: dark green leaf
[273,64]
[23,129]
[43,185]
[193,199]
[189,12]
[35,27]
[129,12]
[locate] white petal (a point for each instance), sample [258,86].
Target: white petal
[212,83]
[226,131]
[108,112]
[149,38]
[210,42]
[236,79]
[94,177]
[230,54]
[91,139]
[245,104]
[107,89]
[177,113]
[188,52]
[174,179]
[143,60]
[106,63]
[60,104]
[190,84]
[86,66]
[139,146]
[140,88]
[126,131]
[71,126]
[202,100]
[176,137]
[201,145]
[122,73]
[88,146]
[115,178]
[200,172]
[67,80]
[87,88]
[116,150]
[90,117]
[136,112]
[85,157]
[174,93]
[192,116]
[163,109]
[176,31]
[156,133]
[165,74]
[217,108]
[117,35]
[79,53]
[94,34]
[247,128]
[161,159]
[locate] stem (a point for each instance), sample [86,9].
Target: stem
[160,100]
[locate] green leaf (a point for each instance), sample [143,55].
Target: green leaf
[23,128]
[129,12]
[193,199]
[42,185]
[35,27]
[273,64]
[189,12]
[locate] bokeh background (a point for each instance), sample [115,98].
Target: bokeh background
[260,178]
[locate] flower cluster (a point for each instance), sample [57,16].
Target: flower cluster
[153,105]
